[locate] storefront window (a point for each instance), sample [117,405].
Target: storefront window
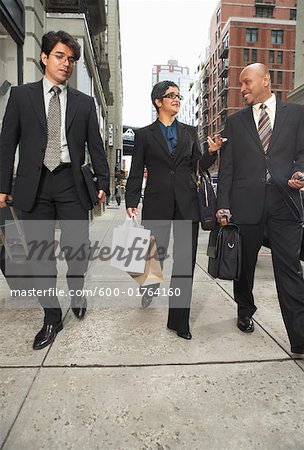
[8,68]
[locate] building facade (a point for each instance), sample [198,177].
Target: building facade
[22,25]
[244,32]
[115,128]
[173,72]
[297,95]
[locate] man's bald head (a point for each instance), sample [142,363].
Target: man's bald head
[255,83]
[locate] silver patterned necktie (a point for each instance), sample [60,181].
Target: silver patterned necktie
[52,152]
[265,132]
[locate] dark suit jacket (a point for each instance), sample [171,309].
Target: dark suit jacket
[242,172]
[25,123]
[170,178]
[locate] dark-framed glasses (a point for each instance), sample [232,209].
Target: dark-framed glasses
[63,58]
[173,96]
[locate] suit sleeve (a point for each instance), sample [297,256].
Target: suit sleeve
[96,151]
[299,151]
[134,183]
[10,136]
[226,168]
[206,160]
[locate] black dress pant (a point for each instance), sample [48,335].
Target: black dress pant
[57,200]
[185,235]
[285,235]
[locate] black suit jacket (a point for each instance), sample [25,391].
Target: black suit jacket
[170,178]
[242,171]
[25,124]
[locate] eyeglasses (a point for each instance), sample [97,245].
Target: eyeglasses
[173,96]
[62,57]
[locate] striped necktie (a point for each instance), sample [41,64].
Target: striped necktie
[265,132]
[264,128]
[52,152]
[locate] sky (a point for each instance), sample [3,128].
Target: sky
[153,31]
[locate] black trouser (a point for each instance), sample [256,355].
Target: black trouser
[185,235]
[57,200]
[285,235]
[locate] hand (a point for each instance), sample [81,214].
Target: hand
[223,216]
[216,143]
[132,212]
[294,181]
[101,196]
[4,198]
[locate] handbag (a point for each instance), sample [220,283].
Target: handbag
[225,252]
[130,245]
[153,272]
[90,181]
[206,200]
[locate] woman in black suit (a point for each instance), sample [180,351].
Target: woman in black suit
[170,150]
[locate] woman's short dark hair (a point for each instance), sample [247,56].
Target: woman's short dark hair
[50,39]
[159,90]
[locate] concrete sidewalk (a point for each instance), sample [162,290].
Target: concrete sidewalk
[121,380]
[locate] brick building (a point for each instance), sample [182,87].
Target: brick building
[243,32]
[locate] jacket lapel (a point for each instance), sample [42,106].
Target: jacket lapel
[72,106]
[248,120]
[281,111]
[158,135]
[37,100]
[181,141]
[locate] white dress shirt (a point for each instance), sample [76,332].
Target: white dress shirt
[270,104]
[47,86]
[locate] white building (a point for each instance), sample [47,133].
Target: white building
[173,72]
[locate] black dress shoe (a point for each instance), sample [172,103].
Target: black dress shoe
[185,335]
[79,306]
[245,324]
[46,335]
[146,300]
[298,350]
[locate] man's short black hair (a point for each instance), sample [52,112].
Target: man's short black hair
[50,39]
[159,90]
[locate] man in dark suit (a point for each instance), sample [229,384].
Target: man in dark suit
[169,150]
[260,173]
[52,124]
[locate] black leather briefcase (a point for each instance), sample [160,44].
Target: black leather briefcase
[225,252]
[90,181]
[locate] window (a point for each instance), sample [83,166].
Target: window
[277,36]
[279,77]
[293,14]
[254,55]
[251,34]
[279,95]
[271,73]
[264,11]
[225,44]
[246,55]
[280,57]
[218,15]
[271,56]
